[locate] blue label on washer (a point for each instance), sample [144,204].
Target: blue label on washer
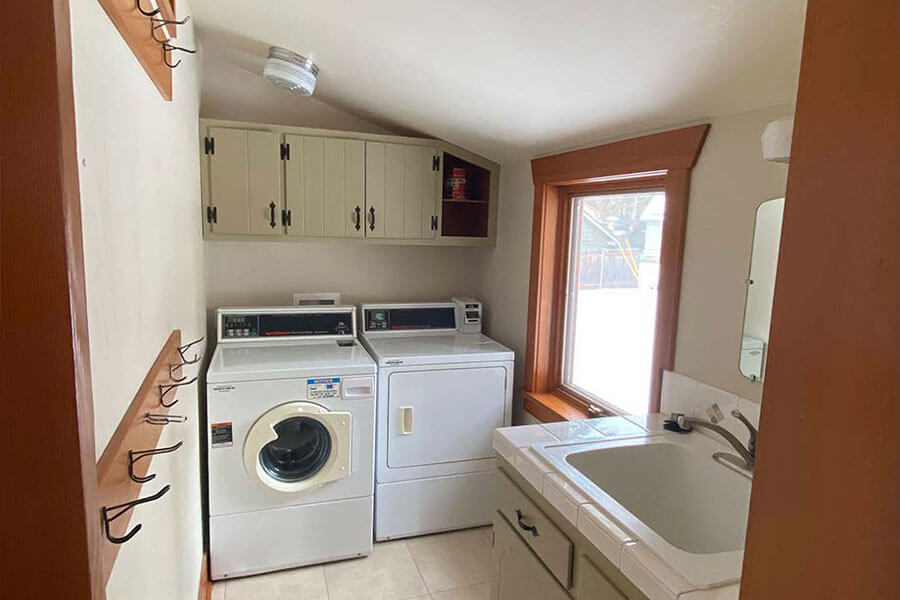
[323,387]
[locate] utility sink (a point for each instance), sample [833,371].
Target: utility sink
[670,494]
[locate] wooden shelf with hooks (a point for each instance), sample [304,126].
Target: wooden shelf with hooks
[115,486]
[135,29]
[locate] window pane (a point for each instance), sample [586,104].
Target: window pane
[611,318]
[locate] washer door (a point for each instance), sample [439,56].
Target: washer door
[298,446]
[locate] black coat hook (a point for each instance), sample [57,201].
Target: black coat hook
[134,456]
[154,419]
[165,388]
[147,13]
[168,48]
[184,348]
[111,513]
[159,23]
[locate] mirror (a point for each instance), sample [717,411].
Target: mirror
[761,289]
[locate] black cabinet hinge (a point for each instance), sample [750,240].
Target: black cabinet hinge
[286,217]
[435,163]
[285,151]
[211,214]
[434,222]
[209,145]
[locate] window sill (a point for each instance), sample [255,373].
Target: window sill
[553,406]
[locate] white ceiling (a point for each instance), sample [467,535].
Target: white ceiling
[519,78]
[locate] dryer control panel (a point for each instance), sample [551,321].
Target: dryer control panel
[248,324]
[462,315]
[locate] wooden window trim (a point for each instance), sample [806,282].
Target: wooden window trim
[662,160]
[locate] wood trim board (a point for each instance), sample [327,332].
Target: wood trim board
[825,505]
[133,433]
[134,27]
[51,537]
[659,161]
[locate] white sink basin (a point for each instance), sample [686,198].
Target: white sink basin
[693,503]
[670,494]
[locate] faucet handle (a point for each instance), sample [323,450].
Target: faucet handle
[751,446]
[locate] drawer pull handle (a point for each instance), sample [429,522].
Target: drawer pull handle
[525,524]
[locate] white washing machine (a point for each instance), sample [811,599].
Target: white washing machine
[441,393]
[291,417]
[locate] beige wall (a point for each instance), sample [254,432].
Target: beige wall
[729,182]
[144,274]
[268,273]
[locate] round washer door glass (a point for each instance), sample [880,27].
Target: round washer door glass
[300,451]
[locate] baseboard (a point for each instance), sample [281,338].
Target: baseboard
[204,591]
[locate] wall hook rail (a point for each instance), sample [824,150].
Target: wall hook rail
[154,419]
[136,455]
[165,388]
[111,513]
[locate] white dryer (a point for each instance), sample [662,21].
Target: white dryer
[291,439]
[441,393]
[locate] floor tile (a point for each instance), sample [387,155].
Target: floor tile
[480,591]
[389,573]
[297,584]
[453,560]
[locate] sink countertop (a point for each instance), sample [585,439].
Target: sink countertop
[658,569]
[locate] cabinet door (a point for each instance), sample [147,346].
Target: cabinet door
[244,181]
[518,573]
[265,182]
[401,191]
[593,585]
[228,189]
[325,187]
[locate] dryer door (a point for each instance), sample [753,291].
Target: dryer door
[298,446]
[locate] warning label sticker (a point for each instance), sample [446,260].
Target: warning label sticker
[323,387]
[220,435]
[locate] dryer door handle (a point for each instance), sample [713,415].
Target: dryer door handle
[406,420]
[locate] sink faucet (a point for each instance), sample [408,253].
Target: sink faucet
[746,455]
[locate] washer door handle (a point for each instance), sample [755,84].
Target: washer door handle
[406,420]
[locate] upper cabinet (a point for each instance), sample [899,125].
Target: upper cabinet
[266,182]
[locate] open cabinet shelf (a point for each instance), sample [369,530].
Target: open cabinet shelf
[465,198]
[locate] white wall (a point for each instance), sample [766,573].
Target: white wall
[144,270]
[731,179]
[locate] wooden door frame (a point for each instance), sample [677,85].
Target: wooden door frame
[663,160]
[51,525]
[825,506]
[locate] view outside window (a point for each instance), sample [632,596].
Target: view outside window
[611,312]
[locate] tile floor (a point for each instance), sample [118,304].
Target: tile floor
[444,566]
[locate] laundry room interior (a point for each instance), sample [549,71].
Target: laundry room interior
[460,301]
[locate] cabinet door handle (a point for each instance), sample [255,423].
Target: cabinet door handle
[525,524]
[358,219]
[372,218]
[272,215]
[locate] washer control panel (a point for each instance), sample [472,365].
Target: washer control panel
[236,324]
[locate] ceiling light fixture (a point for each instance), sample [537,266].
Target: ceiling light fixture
[291,70]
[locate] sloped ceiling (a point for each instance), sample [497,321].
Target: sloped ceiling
[519,78]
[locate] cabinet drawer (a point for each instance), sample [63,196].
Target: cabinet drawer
[593,585]
[536,529]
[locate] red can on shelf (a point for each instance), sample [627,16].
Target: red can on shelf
[458,184]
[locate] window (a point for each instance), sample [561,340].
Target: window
[614,258]
[606,253]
